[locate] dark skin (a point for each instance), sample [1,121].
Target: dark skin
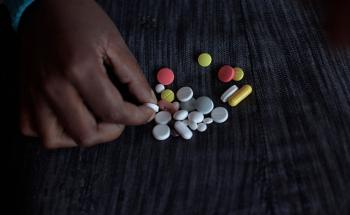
[68,99]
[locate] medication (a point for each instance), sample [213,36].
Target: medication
[165,76]
[161,132]
[154,107]
[239,74]
[168,95]
[176,105]
[229,92]
[180,115]
[202,127]
[195,117]
[189,106]
[159,88]
[183,130]
[204,59]
[168,106]
[204,104]
[184,94]
[219,115]
[208,120]
[163,117]
[226,73]
[193,126]
[240,95]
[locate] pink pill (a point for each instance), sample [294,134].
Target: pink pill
[167,106]
[165,76]
[226,73]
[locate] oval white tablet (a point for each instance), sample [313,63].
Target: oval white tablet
[159,88]
[163,117]
[180,115]
[161,132]
[154,107]
[183,130]
[184,94]
[229,92]
[208,120]
[196,116]
[202,127]
[219,115]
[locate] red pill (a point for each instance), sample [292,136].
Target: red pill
[167,106]
[226,73]
[165,76]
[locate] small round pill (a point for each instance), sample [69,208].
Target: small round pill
[183,130]
[240,95]
[165,76]
[184,94]
[229,92]
[219,115]
[196,116]
[163,117]
[189,105]
[193,126]
[204,104]
[226,73]
[154,107]
[204,59]
[202,127]
[161,132]
[168,95]
[208,120]
[180,115]
[239,74]
[159,88]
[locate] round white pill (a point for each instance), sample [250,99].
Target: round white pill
[163,117]
[154,107]
[183,130]
[229,92]
[159,88]
[161,132]
[184,94]
[219,115]
[208,120]
[204,104]
[193,126]
[180,115]
[202,127]
[189,105]
[196,116]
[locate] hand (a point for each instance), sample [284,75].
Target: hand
[67,98]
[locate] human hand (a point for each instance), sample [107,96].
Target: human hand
[67,98]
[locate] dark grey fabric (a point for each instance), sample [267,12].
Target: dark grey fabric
[285,150]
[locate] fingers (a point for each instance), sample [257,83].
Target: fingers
[104,99]
[128,70]
[75,117]
[26,122]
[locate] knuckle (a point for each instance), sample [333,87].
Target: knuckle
[86,139]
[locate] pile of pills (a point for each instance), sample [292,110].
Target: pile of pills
[180,113]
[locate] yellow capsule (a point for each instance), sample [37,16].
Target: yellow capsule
[239,74]
[241,94]
[167,95]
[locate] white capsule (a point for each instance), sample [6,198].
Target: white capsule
[154,107]
[208,120]
[163,117]
[193,126]
[202,127]
[159,88]
[183,130]
[184,94]
[196,116]
[161,132]
[230,91]
[180,115]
